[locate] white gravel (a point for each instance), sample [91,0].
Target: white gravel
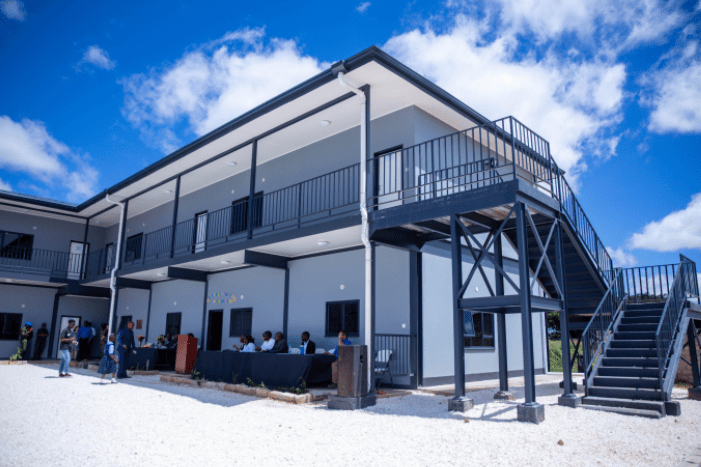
[47,421]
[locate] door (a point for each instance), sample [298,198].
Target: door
[109,258]
[200,231]
[76,257]
[388,178]
[214,330]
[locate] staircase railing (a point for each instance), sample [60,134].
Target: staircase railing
[685,284]
[649,283]
[602,322]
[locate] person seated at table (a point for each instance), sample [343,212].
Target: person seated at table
[268,342]
[249,344]
[242,343]
[308,347]
[280,344]
[342,340]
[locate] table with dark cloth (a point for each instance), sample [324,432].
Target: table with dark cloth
[273,370]
[149,358]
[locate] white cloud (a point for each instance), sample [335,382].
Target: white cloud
[677,100]
[13,9]
[570,102]
[5,186]
[97,56]
[213,84]
[621,258]
[676,231]
[27,147]
[363,7]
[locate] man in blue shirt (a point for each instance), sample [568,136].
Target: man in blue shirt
[125,346]
[342,340]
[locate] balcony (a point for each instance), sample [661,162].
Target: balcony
[37,262]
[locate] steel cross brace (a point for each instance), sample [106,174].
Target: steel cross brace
[544,253]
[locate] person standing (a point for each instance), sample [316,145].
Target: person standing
[65,339]
[40,344]
[83,341]
[103,337]
[125,341]
[74,344]
[92,339]
[108,364]
[25,340]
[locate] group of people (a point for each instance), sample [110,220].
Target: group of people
[25,341]
[279,345]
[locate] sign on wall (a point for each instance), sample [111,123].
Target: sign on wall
[221,297]
[139,323]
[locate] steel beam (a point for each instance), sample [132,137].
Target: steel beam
[458,327]
[501,327]
[176,203]
[525,298]
[695,370]
[252,186]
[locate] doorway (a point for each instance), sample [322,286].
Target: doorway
[200,231]
[214,330]
[77,254]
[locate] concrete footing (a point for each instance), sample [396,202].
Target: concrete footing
[574,385]
[504,396]
[569,400]
[673,408]
[460,404]
[351,403]
[532,412]
[695,393]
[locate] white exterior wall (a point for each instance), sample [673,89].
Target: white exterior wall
[93,309]
[35,304]
[175,296]
[134,303]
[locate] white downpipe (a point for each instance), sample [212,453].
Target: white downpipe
[364,236]
[117,263]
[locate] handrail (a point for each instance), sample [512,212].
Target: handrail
[602,322]
[39,261]
[684,283]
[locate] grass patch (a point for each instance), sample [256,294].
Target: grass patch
[555,355]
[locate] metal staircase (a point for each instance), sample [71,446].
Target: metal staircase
[633,343]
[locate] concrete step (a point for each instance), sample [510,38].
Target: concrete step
[626,393]
[619,382]
[647,413]
[631,353]
[628,372]
[629,362]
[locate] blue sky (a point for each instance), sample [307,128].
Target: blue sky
[92,93]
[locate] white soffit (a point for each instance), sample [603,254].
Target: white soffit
[52,214]
[336,240]
[215,263]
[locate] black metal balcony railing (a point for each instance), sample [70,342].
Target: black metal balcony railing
[42,262]
[100,262]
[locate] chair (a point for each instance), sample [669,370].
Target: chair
[295,351]
[382,362]
[320,351]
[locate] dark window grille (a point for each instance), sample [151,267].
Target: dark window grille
[16,245]
[343,316]
[173,323]
[240,322]
[239,213]
[10,325]
[484,331]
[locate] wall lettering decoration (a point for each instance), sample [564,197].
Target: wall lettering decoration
[221,297]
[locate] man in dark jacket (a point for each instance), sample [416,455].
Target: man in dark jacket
[280,344]
[308,346]
[125,346]
[40,344]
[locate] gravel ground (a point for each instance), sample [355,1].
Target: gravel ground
[47,421]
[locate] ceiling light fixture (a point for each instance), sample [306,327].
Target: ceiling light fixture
[168,191]
[231,163]
[322,243]
[325,123]
[161,274]
[225,261]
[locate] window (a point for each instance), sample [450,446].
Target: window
[16,245]
[240,323]
[173,323]
[343,316]
[239,213]
[10,325]
[133,248]
[483,335]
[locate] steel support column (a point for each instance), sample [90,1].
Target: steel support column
[252,185]
[458,326]
[568,398]
[123,249]
[148,312]
[530,411]
[176,204]
[286,304]
[372,351]
[501,327]
[84,258]
[52,330]
[204,315]
[695,370]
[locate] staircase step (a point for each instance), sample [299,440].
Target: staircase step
[637,327]
[628,372]
[647,413]
[643,313]
[640,320]
[634,335]
[625,393]
[634,352]
[645,306]
[641,362]
[634,344]
[626,382]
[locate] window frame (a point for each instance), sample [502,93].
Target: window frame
[3,321]
[26,254]
[343,304]
[232,321]
[467,340]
